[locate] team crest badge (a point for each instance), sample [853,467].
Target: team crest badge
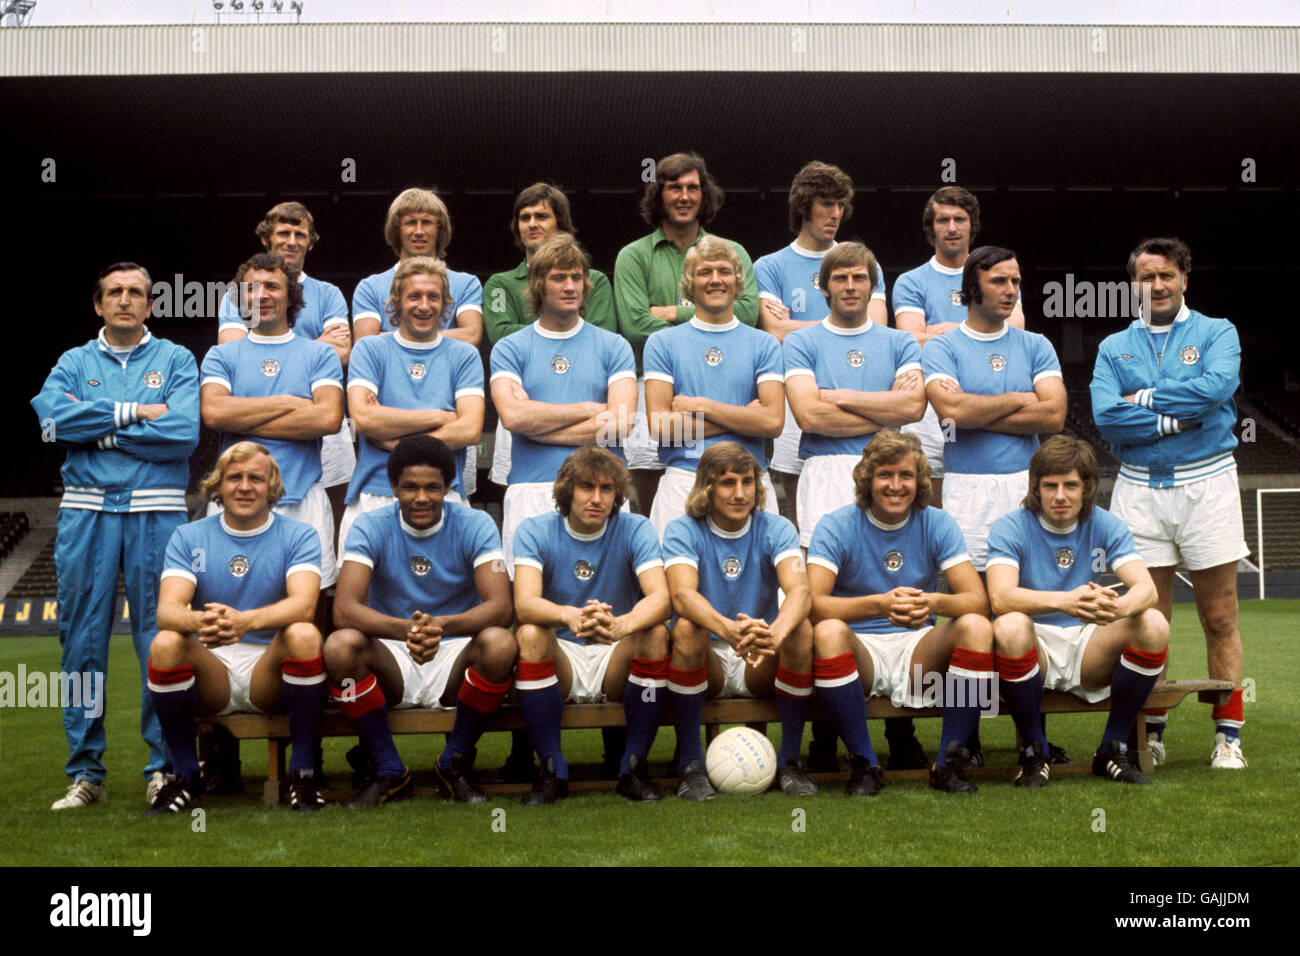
[713,356]
[153,378]
[559,365]
[997,362]
[732,567]
[1125,355]
[1064,558]
[420,565]
[1189,355]
[238,566]
[954,296]
[417,370]
[893,561]
[816,281]
[270,368]
[584,571]
[855,358]
[92,381]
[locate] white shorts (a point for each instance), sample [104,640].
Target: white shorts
[733,669]
[826,484]
[976,501]
[785,449]
[240,658]
[423,684]
[469,477]
[641,449]
[1196,526]
[1063,648]
[500,472]
[338,457]
[315,510]
[931,436]
[891,665]
[367,502]
[675,487]
[589,662]
[523,500]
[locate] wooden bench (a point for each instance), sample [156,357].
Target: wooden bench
[275,728]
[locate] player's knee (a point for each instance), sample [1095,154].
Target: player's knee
[532,641]
[167,649]
[1153,630]
[497,646]
[655,643]
[974,632]
[302,640]
[1013,634]
[830,638]
[798,646]
[343,649]
[1220,623]
[689,643]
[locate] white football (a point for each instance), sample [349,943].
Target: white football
[741,760]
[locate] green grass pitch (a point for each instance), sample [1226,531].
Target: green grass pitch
[1190,816]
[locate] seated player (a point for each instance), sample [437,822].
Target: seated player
[422,608]
[874,570]
[591,598]
[726,558]
[1056,627]
[235,604]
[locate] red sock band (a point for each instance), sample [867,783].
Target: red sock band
[481,694]
[1232,710]
[792,684]
[1159,713]
[304,667]
[360,698]
[1147,660]
[534,670]
[981,662]
[829,668]
[694,681]
[650,669]
[1015,668]
[166,676]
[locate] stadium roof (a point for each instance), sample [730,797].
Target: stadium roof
[206,49]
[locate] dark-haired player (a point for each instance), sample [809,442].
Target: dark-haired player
[1001,387]
[681,199]
[1057,628]
[874,570]
[281,389]
[126,406]
[1162,397]
[726,559]
[235,604]
[591,598]
[422,608]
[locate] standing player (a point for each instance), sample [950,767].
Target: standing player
[1087,639]
[592,599]
[927,300]
[874,571]
[236,600]
[726,558]
[289,231]
[1001,386]
[847,376]
[678,203]
[418,224]
[710,379]
[423,606]
[558,384]
[414,381]
[282,389]
[1170,425]
[126,405]
[540,212]
[789,288]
